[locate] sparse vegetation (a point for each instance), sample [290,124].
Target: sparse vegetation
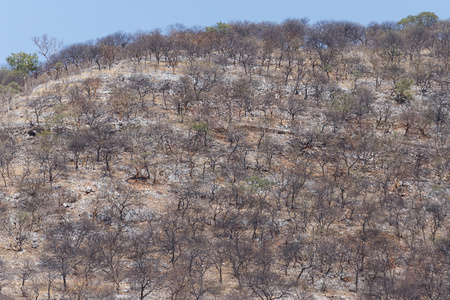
[240,161]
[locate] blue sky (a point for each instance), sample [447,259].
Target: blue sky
[75,21]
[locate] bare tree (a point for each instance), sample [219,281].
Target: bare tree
[25,272]
[8,151]
[145,273]
[119,200]
[142,85]
[64,244]
[48,46]
[39,105]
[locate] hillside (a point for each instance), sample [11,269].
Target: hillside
[244,161]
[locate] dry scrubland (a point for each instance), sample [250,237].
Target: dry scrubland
[247,161]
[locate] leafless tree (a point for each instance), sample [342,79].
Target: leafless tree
[48,46]
[64,243]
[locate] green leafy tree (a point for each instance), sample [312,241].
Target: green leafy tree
[201,132]
[23,62]
[402,90]
[425,19]
[258,185]
[219,27]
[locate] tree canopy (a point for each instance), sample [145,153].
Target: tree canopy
[23,62]
[425,19]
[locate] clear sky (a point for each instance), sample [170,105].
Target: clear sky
[75,21]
